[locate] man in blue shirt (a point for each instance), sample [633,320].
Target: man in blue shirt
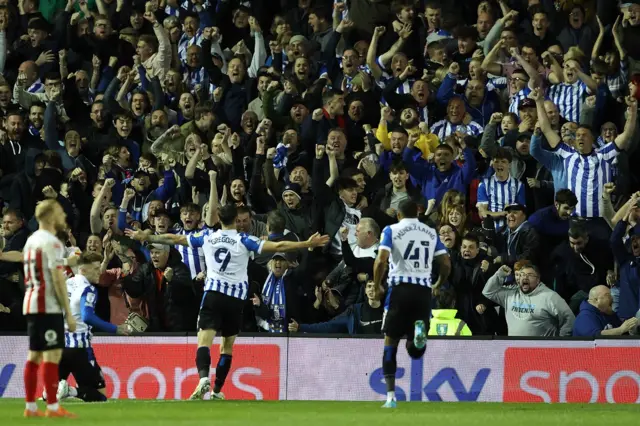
[596,317]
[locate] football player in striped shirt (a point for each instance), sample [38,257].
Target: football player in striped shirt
[409,249]
[45,301]
[78,357]
[227,253]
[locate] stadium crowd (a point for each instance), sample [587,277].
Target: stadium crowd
[512,123]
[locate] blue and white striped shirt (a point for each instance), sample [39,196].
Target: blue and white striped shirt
[444,128]
[185,42]
[568,98]
[82,301]
[497,195]
[412,246]
[587,174]
[227,255]
[193,258]
[514,101]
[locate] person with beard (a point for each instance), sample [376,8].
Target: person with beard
[409,121]
[579,264]
[14,149]
[143,191]
[469,273]
[15,235]
[203,124]
[442,174]
[36,118]
[237,90]
[626,255]
[294,116]
[256,106]
[418,95]
[298,175]
[531,308]
[317,126]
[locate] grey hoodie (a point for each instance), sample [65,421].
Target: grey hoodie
[540,313]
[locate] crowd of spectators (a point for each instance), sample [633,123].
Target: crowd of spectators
[512,123]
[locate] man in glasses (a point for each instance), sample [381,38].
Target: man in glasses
[531,308]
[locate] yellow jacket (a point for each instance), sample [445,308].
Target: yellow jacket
[445,323]
[427,143]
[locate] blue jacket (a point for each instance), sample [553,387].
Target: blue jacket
[551,160]
[629,281]
[590,321]
[547,222]
[346,322]
[435,183]
[481,115]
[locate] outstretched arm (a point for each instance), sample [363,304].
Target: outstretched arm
[316,240]
[624,138]
[167,239]
[545,125]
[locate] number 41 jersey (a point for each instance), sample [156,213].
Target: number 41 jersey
[226,254]
[413,246]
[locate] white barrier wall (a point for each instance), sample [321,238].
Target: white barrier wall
[350,369]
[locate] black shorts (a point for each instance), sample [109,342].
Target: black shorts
[221,313]
[408,303]
[82,363]
[45,331]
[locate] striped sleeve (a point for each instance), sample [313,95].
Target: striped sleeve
[252,243]
[483,196]
[385,241]
[564,150]
[196,239]
[608,152]
[440,248]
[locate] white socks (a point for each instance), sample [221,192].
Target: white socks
[32,406]
[73,392]
[391,396]
[204,379]
[53,407]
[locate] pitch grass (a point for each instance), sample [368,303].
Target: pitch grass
[232,413]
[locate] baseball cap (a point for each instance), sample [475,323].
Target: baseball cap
[279,255]
[526,103]
[297,39]
[161,247]
[438,36]
[515,207]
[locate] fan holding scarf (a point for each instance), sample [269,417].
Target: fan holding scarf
[281,294]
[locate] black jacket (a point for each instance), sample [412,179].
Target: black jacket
[468,280]
[573,271]
[172,308]
[523,245]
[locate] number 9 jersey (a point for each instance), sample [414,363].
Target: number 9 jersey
[226,254]
[412,246]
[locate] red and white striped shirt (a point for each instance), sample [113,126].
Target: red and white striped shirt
[43,253]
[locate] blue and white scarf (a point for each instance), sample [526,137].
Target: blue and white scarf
[273,295]
[280,159]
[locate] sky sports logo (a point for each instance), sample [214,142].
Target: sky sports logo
[576,375]
[167,371]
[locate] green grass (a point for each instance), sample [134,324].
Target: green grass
[231,413]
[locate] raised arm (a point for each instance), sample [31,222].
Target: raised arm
[489,63]
[494,288]
[534,76]
[617,41]
[333,168]
[259,50]
[623,139]
[95,219]
[595,52]
[371,53]
[545,125]
[212,215]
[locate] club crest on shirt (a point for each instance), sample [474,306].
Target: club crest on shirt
[442,329]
